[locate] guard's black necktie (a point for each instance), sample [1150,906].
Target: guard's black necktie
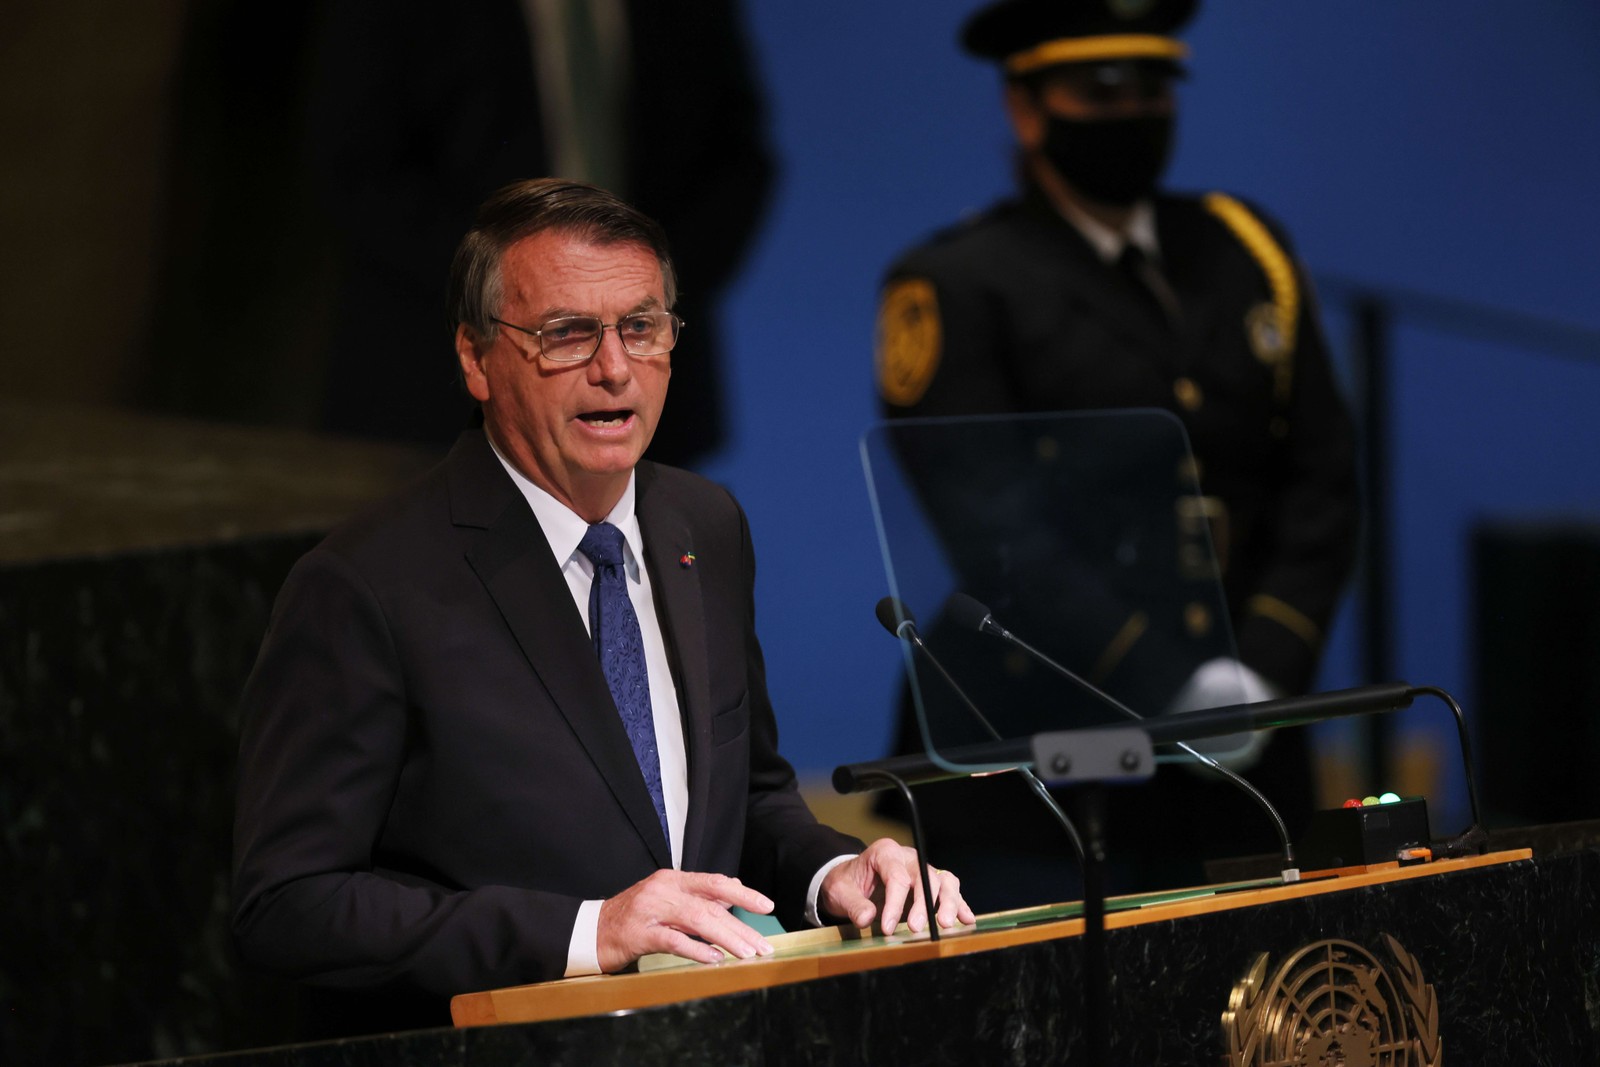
[617,640]
[1149,283]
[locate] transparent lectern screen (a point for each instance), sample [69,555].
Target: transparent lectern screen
[1087,537]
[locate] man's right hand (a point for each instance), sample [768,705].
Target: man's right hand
[667,911]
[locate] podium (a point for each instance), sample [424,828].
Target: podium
[831,952]
[1483,960]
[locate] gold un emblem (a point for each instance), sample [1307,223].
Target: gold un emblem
[1334,1004]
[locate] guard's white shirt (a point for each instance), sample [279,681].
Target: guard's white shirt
[1109,243]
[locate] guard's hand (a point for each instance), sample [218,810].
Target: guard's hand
[1217,683]
[667,911]
[878,883]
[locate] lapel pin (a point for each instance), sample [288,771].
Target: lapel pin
[686,560]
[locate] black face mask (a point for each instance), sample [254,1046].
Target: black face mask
[1113,161]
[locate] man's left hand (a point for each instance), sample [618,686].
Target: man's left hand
[879,882]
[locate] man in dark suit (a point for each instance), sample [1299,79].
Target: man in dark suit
[442,787]
[1093,290]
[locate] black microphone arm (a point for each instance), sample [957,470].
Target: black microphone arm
[1166,730]
[964,611]
[919,768]
[1268,714]
[896,617]
[1295,711]
[1320,707]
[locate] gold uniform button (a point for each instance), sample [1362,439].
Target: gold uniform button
[1188,394]
[1197,619]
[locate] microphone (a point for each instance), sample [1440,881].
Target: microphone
[967,612]
[896,617]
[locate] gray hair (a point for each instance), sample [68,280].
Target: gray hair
[525,208]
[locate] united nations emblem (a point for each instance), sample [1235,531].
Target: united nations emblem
[1334,1004]
[909,340]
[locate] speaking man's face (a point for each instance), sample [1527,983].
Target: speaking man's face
[575,429]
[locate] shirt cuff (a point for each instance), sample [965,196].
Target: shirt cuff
[583,950]
[812,915]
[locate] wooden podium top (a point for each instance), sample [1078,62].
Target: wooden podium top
[809,954]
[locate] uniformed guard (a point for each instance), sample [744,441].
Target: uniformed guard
[1094,289]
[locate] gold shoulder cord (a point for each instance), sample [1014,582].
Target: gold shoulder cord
[1271,329]
[1272,326]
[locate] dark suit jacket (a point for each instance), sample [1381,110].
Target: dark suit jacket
[432,773]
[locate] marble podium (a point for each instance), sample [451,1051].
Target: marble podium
[1486,961]
[139,558]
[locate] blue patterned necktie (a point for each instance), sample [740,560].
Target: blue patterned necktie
[615,630]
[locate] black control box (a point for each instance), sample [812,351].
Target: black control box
[1358,837]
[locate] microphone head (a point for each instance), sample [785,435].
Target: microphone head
[968,613]
[892,611]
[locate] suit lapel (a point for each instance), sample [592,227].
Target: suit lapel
[512,559]
[681,611]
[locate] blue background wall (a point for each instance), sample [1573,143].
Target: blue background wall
[1448,149]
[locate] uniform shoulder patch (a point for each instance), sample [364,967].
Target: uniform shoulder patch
[908,342]
[1270,326]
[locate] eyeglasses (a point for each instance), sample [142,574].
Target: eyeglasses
[575,338]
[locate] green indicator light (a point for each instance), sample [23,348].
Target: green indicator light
[1389,798]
